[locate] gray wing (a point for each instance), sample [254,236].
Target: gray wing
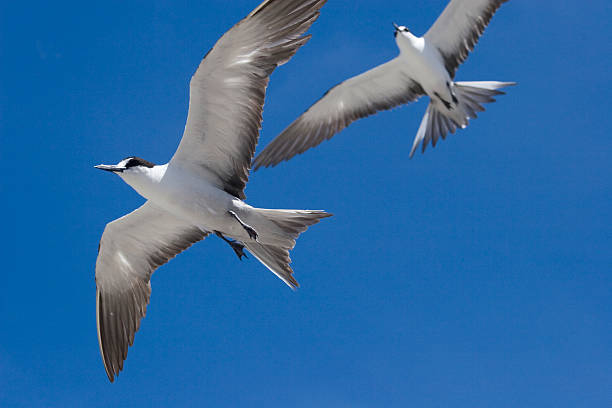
[131,248]
[459,27]
[228,89]
[380,88]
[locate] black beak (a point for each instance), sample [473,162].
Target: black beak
[396,27]
[106,167]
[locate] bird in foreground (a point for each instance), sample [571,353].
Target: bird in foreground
[425,66]
[201,190]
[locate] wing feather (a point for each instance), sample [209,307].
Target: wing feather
[459,27]
[131,249]
[380,88]
[228,89]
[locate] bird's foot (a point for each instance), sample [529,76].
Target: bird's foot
[238,247]
[445,103]
[252,233]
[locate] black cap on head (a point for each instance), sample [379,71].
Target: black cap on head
[133,161]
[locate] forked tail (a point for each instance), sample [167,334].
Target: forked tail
[278,231]
[439,121]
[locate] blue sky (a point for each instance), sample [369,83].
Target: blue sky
[476,275]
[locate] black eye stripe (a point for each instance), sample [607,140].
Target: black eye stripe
[137,161]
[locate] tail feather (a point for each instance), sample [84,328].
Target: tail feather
[438,121]
[278,230]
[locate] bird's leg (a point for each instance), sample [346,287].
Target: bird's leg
[236,246]
[252,233]
[446,104]
[452,92]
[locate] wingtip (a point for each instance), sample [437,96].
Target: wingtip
[109,373]
[322,215]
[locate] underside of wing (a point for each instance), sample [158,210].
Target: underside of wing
[459,27]
[227,91]
[131,248]
[381,88]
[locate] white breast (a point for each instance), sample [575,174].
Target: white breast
[424,62]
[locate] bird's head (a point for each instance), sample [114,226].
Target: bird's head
[400,29]
[127,166]
[138,173]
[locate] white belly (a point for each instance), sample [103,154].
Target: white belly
[426,66]
[193,199]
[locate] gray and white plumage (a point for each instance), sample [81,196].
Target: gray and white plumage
[132,247]
[202,187]
[228,89]
[426,66]
[458,29]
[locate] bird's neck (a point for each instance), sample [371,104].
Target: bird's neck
[146,181]
[410,43]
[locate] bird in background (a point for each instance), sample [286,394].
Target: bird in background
[201,189]
[425,66]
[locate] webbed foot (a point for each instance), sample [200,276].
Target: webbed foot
[238,247]
[252,233]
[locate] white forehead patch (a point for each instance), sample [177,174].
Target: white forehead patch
[123,162]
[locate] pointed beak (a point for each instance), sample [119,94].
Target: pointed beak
[112,168]
[396,30]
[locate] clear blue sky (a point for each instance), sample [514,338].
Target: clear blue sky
[476,275]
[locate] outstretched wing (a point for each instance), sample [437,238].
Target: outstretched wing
[459,27]
[228,89]
[380,88]
[130,250]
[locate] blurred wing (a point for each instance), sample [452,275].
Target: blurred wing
[228,89]
[383,87]
[457,30]
[131,248]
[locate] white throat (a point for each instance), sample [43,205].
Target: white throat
[408,42]
[145,180]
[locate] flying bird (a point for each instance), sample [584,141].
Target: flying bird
[425,66]
[200,191]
